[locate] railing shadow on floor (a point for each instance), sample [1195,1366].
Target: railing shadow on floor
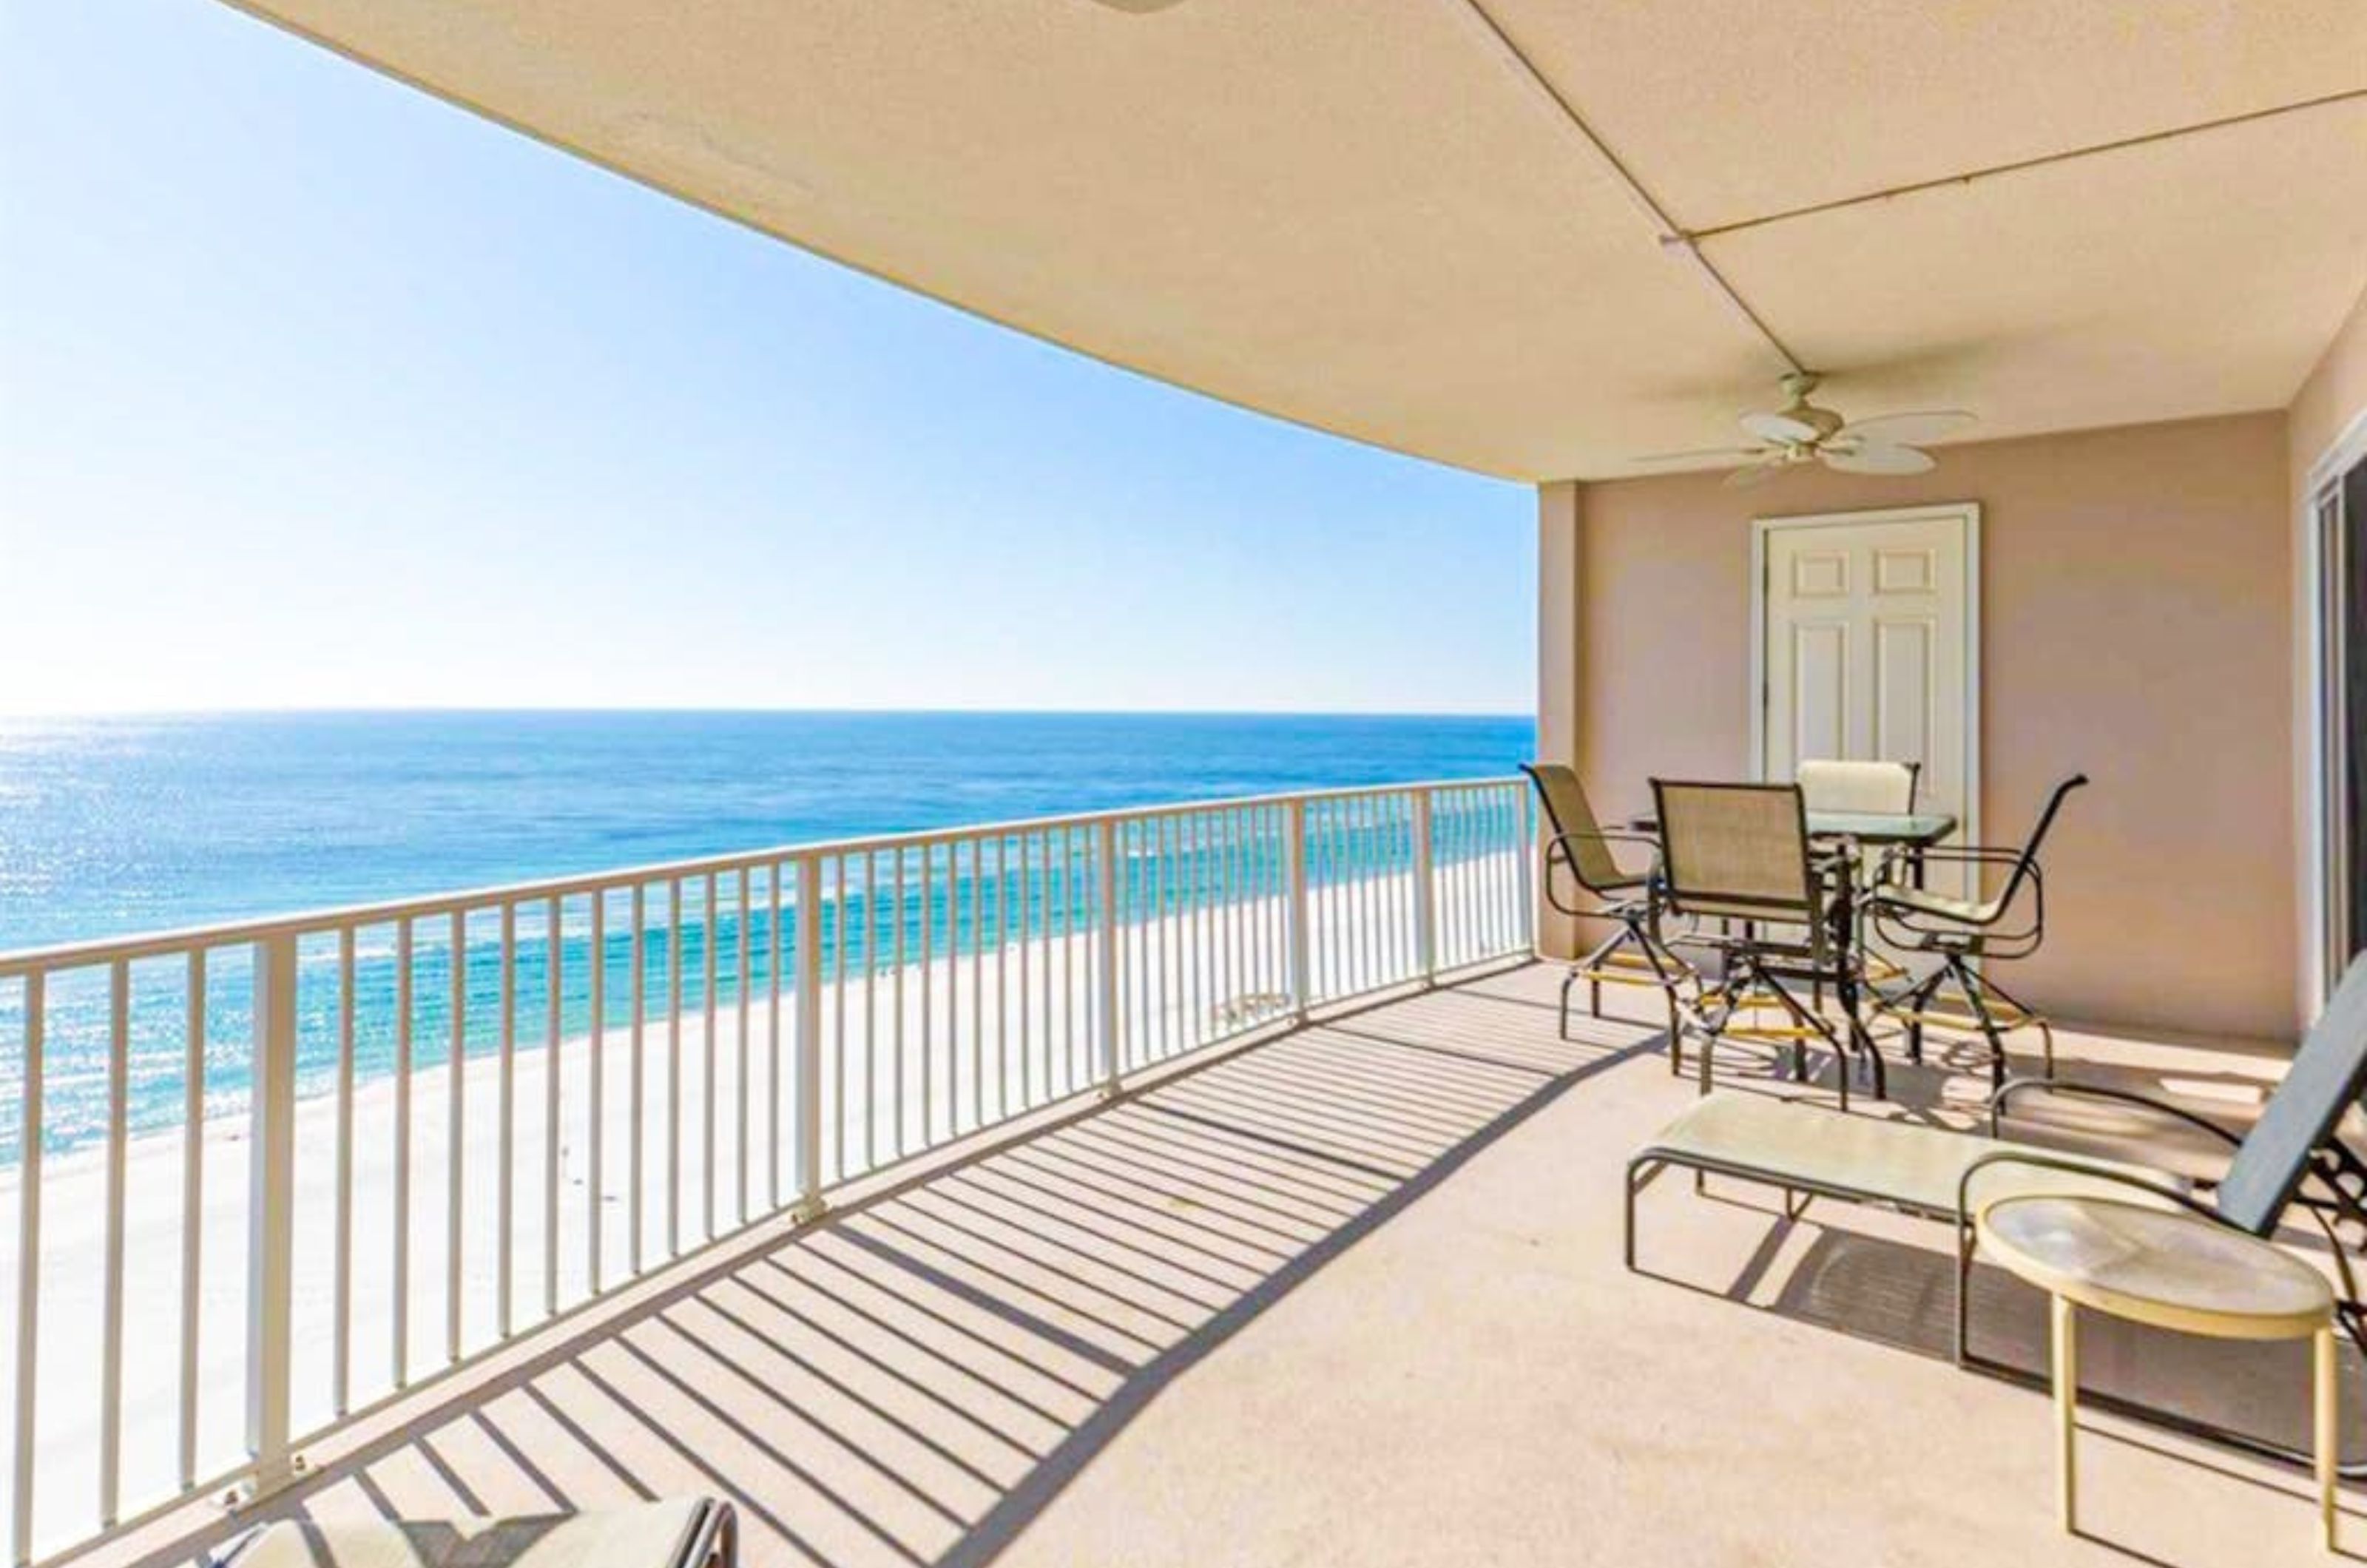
[916,1376]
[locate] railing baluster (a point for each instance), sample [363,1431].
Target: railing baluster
[773,1034]
[398,1294]
[809,1055]
[1523,836]
[457,1122]
[505,1160]
[596,1133]
[1425,895]
[1132,1011]
[110,1377]
[552,964]
[1069,1039]
[896,974]
[1295,863]
[193,1188]
[706,1062]
[673,1067]
[271,1215]
[1195,1000]
[928,985]
[341,1312]
[868,934]
[839,1166]
[636,1097]
[739,1044]
[1002,905]
[1026,944]
[972,890]
[28,1270]
[1108,1018]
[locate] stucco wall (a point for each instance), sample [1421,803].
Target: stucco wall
[2136,624]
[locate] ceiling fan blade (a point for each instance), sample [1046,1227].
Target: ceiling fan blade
[1779,428]
[1724,454]
[1757,474]
[1909,429]
[1880,459]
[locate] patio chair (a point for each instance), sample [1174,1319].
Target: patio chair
[1581,852]
[1740,853]
[1884,788]
[1830,784]
[697,1532]
[1963,933]
[2292,1155]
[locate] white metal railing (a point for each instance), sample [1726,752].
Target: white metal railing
[291,1166]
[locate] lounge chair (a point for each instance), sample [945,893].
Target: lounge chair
[2292,1155]
[678,1533]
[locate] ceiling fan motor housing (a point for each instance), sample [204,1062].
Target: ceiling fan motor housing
[1798,385]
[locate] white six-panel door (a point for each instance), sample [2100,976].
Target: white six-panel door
[1868,646]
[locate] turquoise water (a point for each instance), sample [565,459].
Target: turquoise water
[121,825]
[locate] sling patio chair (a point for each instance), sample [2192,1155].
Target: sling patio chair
[1830,784]
[2294,1156]
[1583,878]
[687,1532]
[1962,932]
[1873,788]
[1739,853]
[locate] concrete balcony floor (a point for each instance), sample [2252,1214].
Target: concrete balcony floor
[1354,1294]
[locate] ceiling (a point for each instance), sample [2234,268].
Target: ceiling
[1442,225]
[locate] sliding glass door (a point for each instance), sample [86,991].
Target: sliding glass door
[2339,510]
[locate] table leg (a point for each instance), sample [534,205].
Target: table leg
[2065,1325]
[2324,1407]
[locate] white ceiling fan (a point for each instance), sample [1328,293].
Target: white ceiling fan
[1800,432]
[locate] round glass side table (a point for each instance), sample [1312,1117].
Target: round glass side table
[2171,1270]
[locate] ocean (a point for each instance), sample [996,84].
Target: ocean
[118,825]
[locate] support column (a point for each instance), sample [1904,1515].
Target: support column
[1561,515]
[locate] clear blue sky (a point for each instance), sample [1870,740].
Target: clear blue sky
[315,391]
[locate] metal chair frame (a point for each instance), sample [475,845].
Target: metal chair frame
[1755,966]
[1637,918]
[1961,942]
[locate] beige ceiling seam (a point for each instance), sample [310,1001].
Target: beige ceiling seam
[1669,235]
[2018,165]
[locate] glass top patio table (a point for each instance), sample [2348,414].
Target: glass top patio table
[1922,829]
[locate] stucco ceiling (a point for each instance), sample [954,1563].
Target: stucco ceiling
[1441,226]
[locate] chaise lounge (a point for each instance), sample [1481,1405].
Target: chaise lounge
[2292,1155]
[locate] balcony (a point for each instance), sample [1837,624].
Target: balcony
[1347,1292]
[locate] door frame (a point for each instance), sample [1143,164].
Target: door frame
[1965,513]
[2318,917]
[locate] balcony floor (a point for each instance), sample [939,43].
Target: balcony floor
[1353,1294]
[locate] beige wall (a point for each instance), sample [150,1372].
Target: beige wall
[2136,624]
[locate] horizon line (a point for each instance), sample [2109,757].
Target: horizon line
[431,710]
